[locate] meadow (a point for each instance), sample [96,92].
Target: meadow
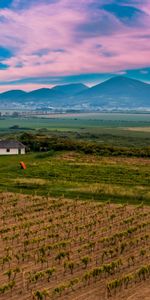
[85,157]
[106,128]
[76,121]
[78,176]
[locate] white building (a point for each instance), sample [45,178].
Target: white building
[11,147]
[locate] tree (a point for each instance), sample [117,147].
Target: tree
[85,260]
[50,272]
[73,282]
[71,266]
[11,285]
[86,277]
[142,252]
[9,273]
[46,293]
[39,295]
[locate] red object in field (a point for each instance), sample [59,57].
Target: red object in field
[23,166]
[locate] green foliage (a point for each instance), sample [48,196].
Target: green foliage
[54,143]
[7,287]
[118,180]
[85,260]
[45,154]
[140,274]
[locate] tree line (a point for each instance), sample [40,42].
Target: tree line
[43,143]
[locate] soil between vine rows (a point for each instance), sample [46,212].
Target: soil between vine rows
[56,248]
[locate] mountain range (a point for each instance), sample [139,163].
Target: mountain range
[117,92]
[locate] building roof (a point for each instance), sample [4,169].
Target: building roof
[11,144]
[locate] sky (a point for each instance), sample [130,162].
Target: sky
[48,42]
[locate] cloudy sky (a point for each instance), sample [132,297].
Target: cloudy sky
[49,42]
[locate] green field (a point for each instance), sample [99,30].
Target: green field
[58,121]
[106,128]
[77,121]
[78,176]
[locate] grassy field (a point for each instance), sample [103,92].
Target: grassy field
[76,175]
[115,128]
[77,121]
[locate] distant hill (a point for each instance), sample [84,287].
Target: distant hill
[13,95]
[70,89]
[117,92]
[58,95]
[44,94]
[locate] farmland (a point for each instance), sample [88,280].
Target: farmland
[65,122]
[118,129]
[73,122]
[54,248]
[75,224]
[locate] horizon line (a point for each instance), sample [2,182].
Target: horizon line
[50,86]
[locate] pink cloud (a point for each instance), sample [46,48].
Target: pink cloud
[58,26]
[26,87]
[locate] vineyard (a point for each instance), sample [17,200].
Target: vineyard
[69,249]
